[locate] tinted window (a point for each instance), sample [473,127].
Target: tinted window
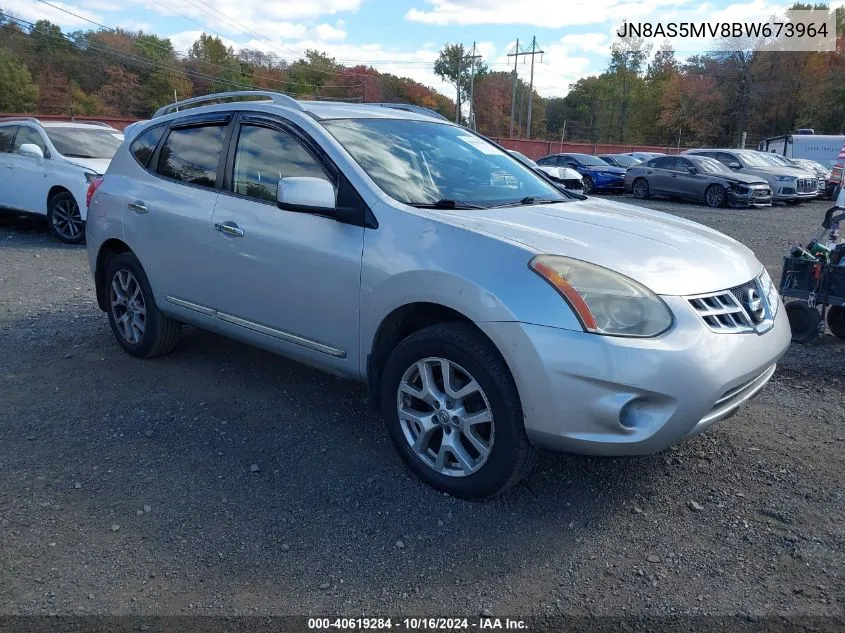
[142,148]
[192,154]
[265,156]
[6,135]
[724,157]
[662,163]
[683,164]
[84,143]
[28,135]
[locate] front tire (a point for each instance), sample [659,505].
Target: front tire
[715,196]
[453,412]
[640,189]
[65,219]
[589,185]
[836,321]
[137,323]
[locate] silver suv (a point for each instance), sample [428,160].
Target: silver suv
[489,312]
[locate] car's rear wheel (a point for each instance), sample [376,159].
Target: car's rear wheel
[65,219]
[715,196]
[137,323]
[640,188]
[453,412]
[589,185]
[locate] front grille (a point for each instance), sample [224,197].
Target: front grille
[725,311]
[762,192]
[808,185]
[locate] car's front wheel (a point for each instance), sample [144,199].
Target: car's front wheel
[65,219]
[589,185]
[715,196]
[137,323]
[640,189]
[453,412]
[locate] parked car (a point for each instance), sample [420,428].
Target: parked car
[826,183]
[569,178]
[47,167]
[644,156]
[489,312]
[697,178]
[619,160]
[788,184]
[597,174]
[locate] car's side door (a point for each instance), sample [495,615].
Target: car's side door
[29,190]
[7,183]
[659,174]
[288,280]
[686,181]
[167,211]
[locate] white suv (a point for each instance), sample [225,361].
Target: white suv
[488,311]
[46,167]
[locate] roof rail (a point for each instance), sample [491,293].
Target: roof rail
[19,118]
[276,97]
[410,107]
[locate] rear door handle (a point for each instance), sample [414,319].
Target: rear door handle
[229,228]
[138,207]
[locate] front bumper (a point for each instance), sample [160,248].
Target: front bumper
[602,181]
[603,395]
[788,193]
[749,196]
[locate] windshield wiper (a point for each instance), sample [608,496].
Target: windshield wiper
[444,203]
[526,200]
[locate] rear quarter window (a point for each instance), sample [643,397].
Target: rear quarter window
[6,134]
[144,146]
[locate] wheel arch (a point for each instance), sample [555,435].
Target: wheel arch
[400,323]
[108,250]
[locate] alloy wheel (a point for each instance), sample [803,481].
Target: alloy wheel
[715,196]
[588,184]
[445,417]
[67,220]
[640,189]
[128,306]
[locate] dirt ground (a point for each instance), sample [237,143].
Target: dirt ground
[223,480]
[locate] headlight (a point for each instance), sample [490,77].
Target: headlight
[605,302]
[91,177]
[784,178]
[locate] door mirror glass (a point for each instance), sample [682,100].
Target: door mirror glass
[305,193]
[572,164]
[734,165]
[692,170]
[29,149]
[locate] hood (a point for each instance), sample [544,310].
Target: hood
[610,169]
[98,165]
[747,179]
[667,254]
[779,171]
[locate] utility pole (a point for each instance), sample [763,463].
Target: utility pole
[515,55]
[458,84]
[473,57]
[531,87]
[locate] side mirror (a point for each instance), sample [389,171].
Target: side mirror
[572,164]
[734,165]
[33,151]
[692,170]
[305,193]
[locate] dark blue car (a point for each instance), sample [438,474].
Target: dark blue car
[598,175]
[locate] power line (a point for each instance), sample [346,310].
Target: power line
[516,54]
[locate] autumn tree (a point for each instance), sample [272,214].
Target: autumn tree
[18,93]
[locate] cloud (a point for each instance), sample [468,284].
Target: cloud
[328,32]
[32,12]
[542,13]
[101,5]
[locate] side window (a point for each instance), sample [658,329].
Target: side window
[28,135]
[663,162]
[192,154]
[7,133]
[683,165]
[142,148]
[546,160]
[724,157]
[264,156]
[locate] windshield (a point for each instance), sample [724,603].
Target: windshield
[625,161]
[753,159]
[710,166]
[586,159]
[774,159]
[426,163]
[74,142]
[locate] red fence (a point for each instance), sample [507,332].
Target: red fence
[119,123]
[538,149]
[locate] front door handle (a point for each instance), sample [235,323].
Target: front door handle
[229,228]
[137,207]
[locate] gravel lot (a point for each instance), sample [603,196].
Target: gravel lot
[224,480]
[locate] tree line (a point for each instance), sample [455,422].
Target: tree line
[642,97]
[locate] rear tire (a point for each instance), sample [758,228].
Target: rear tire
[65,219]
[471,359]
[142,330]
